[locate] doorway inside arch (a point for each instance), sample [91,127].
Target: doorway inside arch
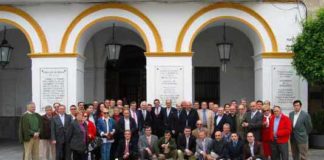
[210,82]
[127,79]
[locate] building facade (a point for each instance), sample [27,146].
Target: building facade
[169,51]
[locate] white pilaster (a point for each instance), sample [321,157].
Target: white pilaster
[74,77]
[153,62]
[265,83]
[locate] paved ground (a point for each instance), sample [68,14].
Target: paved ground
[12,150]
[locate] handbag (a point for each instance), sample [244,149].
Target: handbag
[97,142]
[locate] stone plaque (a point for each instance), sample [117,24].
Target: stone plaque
[285,86]
[169,83]
[53,86]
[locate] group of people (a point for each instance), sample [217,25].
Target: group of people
[204,131]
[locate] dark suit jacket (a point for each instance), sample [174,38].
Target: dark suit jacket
[76,136]
[157,122]
[178,122]
[302,128]
[181,143]
[191,119]
[220,148]
[257,149]
[219,126]
[121,128]
[235,153]
[133,150]
[58,131]
[145,122]
[46,128]
[255,124]
[232,122]
[170,121]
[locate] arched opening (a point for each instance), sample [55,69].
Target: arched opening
[126,79]
[15,82]
[210,83]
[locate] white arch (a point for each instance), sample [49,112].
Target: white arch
[238,19]
[25,23]
[116,14]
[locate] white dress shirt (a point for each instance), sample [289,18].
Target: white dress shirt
[252,149]
[127,124]
[296,115]
[62,117]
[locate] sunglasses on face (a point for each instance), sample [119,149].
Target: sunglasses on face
[105,112]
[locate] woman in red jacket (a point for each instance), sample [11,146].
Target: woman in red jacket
[266,140]
[92,130]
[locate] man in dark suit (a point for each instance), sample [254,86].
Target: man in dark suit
[253,122]
[135,115]
[220,120]
[188,116]
[144,116]
[302,126]
[235,148]
[232,117]
[127,123]
[253,149]
[127,149]
[59,133]
[219,147]
[170,116]
[186,145]
[177,120]
[158,118]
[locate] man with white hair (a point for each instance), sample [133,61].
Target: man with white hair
[29,131]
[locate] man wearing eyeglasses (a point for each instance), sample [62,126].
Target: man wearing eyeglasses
[199,128]
[106,129]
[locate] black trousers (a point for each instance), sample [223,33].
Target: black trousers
[77,155]
[63,151]
[279,151]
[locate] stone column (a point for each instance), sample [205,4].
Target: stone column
[57,78]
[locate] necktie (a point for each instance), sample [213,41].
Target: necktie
[168,113]
[235,143]
[126,147]
[134,116]
[187,142]
[204,146]
[144,114]
[62,119]
[204,117]
[148,141]
[157,110]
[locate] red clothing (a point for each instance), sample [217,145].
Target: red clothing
[116,117]
[266,137]
[284,129]
[91,130]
